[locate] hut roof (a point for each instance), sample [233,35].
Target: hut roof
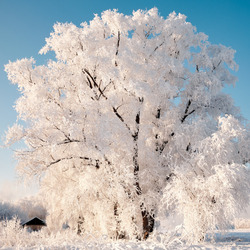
[34,221]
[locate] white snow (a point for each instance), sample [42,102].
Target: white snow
[12,235]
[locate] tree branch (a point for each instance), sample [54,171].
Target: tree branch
[120,118]
[94,83]
[186,114]
[66,141]
[117,46]
[118,43]
[76,157]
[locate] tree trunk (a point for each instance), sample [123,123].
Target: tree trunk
[80,225]
[119,233]
[147,218]
[148,223]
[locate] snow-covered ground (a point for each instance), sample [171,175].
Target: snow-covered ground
[233,239]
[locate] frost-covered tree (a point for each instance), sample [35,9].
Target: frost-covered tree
[130,120]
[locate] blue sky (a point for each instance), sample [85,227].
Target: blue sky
[24,25]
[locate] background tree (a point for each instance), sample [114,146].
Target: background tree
[130,120]
[24,209]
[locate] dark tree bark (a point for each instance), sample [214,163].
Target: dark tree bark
[147,218]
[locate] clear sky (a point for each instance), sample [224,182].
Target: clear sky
[24,25]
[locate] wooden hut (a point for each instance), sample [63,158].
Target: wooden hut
[34,224]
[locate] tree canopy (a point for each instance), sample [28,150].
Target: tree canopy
[129,122]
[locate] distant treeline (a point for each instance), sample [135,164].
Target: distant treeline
[24,209]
